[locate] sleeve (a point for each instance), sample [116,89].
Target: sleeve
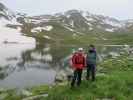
[96,57]
[72,61]
[85,64]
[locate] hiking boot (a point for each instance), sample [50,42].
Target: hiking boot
[87,78]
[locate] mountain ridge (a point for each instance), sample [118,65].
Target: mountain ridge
[83,21]
[72,20]
[68,25]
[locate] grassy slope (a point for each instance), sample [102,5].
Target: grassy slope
[116,86]
[114,82]
[61,35]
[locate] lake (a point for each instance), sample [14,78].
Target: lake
[31,64]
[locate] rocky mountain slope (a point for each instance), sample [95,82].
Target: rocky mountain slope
[5,12]
[10,29]
[68,24]
[78,22]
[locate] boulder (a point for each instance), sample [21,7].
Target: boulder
[61,76]
[26,93]
[114,54]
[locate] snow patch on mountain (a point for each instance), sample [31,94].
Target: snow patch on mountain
[74,35]
[69,28]
[68,16]
[88,23]
[9,35]
[4,22]
[47,37]
[72,23]
[109,30]
[5,12]
[90,28]
[89,17]
[2,13]
[36,20]
[113,23]
[39,29]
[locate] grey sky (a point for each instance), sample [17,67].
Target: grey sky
[121,9]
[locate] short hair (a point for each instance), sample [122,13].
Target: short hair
[91,45]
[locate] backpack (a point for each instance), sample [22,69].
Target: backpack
[78,59]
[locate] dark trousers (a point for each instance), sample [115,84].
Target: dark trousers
[77,77]
[91,68]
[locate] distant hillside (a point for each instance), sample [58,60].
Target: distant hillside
[69,27]
[79,22]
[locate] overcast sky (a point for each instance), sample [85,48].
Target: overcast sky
[121,9]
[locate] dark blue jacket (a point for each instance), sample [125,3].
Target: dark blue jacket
[91,57]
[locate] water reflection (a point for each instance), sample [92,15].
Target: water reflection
[10,54]
[29,77]
[35,64]
[25,64]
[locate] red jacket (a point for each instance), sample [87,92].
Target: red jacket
[78,60]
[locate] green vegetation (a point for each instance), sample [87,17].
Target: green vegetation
[114,82]
[114,86]
[61,36]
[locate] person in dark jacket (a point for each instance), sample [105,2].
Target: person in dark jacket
[78,63]
[91,62]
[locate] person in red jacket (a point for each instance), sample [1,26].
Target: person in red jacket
[78,63]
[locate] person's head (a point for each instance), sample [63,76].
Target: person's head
[80,49]
[92,48]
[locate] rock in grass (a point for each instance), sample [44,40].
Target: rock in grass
[37,97]
[105,99]
[100,74]
[26,93]
[60,76]
[114,54]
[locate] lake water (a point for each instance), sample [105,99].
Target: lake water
[23,65]
[30,64]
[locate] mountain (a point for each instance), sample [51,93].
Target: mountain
[5,12]
[67,25]
[10,29]
[73,20]
[7,17]
[79,22]
[129,25]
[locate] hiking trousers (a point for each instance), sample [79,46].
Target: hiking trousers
[77,77]
[91,69]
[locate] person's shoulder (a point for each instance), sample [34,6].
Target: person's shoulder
[83,54]
[74,54]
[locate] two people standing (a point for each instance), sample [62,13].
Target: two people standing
[79,61]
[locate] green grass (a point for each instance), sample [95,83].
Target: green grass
[62,36]
[115,86]
[114,81]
